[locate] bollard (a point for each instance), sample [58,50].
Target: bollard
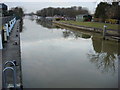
[15,43]
[104,31]
[5,35]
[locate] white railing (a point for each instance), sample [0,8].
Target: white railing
[1,46]
[7,27]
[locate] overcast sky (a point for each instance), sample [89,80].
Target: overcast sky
[34,5]
[49,0]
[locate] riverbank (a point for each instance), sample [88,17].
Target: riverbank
[12,51]
[110,34]
[94,24]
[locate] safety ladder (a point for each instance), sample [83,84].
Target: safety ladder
[12,67]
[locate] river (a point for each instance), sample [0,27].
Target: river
[54,57]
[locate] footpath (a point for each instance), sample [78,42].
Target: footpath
[11,51]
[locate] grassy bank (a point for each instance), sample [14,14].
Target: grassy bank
[94,24]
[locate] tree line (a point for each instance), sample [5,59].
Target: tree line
[16,11]
[68,12]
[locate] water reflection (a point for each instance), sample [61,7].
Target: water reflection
[32,18]
[46,23]
[65,58]
[21,25]
[66,33]
[105,55]
[81,35]
[76,35]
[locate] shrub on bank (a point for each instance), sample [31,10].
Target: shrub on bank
[112,21]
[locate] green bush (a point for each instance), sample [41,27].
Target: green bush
[112,21]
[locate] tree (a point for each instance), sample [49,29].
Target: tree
[101,10]
[32,13]
[17,11]
[105,10]
[69,12]
[113,11]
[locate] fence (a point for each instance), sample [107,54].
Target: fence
[7,25]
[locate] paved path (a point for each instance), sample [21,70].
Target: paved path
[12,52]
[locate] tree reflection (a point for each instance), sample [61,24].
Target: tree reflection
[78,35]
[21,25]
[32,18]
[75,34]
[66,33]
[105,55]
[46,23]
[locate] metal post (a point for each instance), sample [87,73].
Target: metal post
[104,31]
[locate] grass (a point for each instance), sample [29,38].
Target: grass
[94,24]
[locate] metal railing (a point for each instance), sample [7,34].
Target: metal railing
[5,84]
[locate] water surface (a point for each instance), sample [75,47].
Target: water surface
[55,57]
